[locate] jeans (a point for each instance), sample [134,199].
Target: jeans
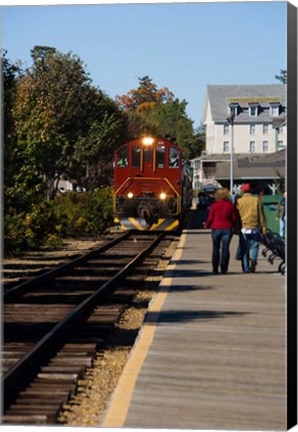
[249,244]
[221,238]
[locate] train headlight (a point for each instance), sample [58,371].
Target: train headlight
[148,141]
[163,196]
[130,195]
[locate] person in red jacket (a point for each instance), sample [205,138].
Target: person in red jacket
[221,220]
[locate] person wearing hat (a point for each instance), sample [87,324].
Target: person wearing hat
[250,212]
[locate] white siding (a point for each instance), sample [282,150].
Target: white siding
[215,136]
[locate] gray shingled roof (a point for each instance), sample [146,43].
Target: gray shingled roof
[220,96]
[254,166]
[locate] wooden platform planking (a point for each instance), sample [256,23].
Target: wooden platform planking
[218,358]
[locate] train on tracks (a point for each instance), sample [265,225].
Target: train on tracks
[152,185]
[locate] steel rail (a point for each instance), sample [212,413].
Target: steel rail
[22,288]
[11,380]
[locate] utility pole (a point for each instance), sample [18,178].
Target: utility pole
[230,120]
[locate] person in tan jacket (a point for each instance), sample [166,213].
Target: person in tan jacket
[250,212]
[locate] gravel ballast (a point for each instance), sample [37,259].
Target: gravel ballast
[95,390]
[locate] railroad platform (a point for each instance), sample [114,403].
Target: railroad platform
[212,351]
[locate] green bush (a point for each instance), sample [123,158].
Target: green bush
[86,213]
[71,214]
[27,231]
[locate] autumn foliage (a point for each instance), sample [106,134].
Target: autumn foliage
[58,125]
[145,97]
[158,112]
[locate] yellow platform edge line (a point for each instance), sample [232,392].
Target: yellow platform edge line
[119,406]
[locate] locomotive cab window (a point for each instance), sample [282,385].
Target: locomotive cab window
[148,155]
[122,157]
[160,156]
[136,156]
[173,158]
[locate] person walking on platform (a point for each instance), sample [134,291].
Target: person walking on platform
[250,211]
[221,219]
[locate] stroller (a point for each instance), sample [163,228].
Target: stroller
[275,245]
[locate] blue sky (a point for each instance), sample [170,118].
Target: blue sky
[183,46]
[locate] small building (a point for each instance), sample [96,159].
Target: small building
[261,171]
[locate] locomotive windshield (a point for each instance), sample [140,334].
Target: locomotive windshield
[136,156]
[160,156]
[122,157]
[148,155]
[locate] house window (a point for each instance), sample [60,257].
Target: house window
[265,146]
[265,129]
[274,110]
[252,129]
[280,130]
[253,110]
[226,146]
[234,109]
[226,129]
[280,144]
[252,146]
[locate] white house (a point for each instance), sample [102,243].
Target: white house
[253,117]
[255,109]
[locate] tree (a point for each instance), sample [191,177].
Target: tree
[92,162]
[156,111]
[21,186]
[283,76]
[199,142]
[10,72]
[56,111]
[145,97]
[55,124]
[170,119]
[23,189]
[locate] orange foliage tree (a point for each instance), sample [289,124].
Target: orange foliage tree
[145,97]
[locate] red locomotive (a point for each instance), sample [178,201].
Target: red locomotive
[152,184]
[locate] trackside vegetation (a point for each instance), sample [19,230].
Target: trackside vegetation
[59,126]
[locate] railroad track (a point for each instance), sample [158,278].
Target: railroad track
[55,323]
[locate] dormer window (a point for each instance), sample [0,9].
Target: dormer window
[234,109]
[253,109]
[274,109]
